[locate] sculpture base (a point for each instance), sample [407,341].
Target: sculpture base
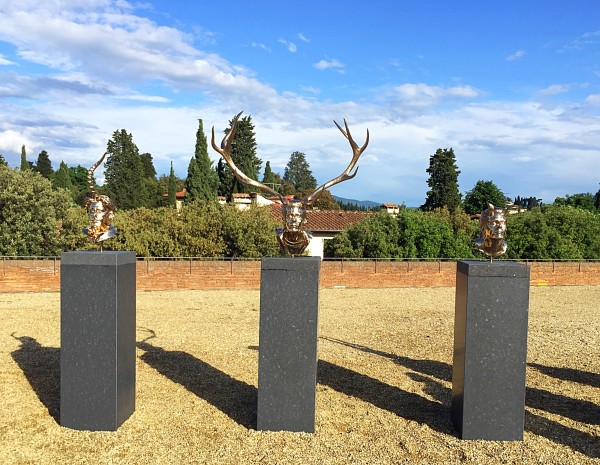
[490,350]
[97,355]
[287,366]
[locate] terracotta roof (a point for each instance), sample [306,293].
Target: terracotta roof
[326,220]
[390,205]
[241,195]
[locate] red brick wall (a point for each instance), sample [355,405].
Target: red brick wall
[44,275]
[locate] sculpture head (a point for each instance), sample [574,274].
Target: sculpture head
[101,211]
[294,237]
[492,228]
[294,215]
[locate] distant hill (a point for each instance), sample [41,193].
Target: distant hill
[360,203]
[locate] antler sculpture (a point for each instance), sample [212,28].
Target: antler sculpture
[101,211]
[293,237]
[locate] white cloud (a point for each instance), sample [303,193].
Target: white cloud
[261,46]
[426,95]
[4,61]
[303,38]
[330,64]
[289,45]
[556,89]
[516,56]
[593,99]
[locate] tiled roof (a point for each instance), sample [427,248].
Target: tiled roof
[326,220]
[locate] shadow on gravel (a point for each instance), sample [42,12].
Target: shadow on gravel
[575,409]
[235,398]
[41,367]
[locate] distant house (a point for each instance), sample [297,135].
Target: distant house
[179,198]
[391,208]
[325,224]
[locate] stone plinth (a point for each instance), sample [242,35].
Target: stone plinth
[490,350]
[97,355]
[287,367]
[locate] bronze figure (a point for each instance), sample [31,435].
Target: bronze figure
[492,226]
[293,236]
[101,211]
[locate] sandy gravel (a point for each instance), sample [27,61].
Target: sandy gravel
[383,394]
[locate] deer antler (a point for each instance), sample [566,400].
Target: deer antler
[225,151]
[90,175]
[356,151]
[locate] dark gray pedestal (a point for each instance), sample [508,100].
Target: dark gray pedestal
[287,365]
[490,350]
[97,354]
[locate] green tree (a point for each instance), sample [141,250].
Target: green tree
[31,214]
[25,165]
[243,154]
[249,233]
[124,172]
[596,200]
[153,193]
[476,199]
[585,201]
[297,172]
[148,165]
[3,161]
[270,178]
[44,165]
[78,175]
[62,180]
[443,181]
[411,234]
[202,181]
[172,188]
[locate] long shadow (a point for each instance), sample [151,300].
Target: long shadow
[569,374]
[575,409]
[404,404]
[579,441]
[433,368]
[41,367]
[235,398]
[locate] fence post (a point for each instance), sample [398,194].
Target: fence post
[375,266]
[231,265]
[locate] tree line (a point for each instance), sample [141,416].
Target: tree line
[131,179]
[41,212]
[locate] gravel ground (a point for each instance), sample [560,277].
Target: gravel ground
[383,393]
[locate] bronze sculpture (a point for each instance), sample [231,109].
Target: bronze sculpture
[293,236]
[492,226]
[101,211]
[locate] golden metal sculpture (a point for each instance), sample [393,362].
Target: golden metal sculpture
[293,236]
[101,211]
[492,226]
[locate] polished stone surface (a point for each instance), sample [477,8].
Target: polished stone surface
[490,350]
[287,367]
[97,356]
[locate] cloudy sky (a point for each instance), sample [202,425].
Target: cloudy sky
[513,87]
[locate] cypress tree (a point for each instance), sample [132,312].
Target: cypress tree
[124,172]
[172,188]
[3,161]
[62,180]
[298,173]
[44,165]
[202,181]
[443,181]
[25,165]
[243,153]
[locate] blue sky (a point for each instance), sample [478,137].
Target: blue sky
[513,87]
